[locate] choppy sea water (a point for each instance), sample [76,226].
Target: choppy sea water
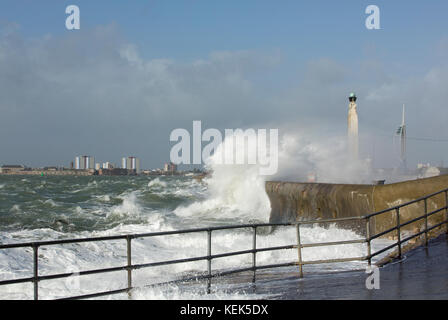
[43,208]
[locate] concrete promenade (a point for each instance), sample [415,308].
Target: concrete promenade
[421,274]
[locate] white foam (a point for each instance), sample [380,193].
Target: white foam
[50,202]
[234,190]
[104,198]
[129,207]
[15,209]
[157,183]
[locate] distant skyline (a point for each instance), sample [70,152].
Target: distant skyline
[136,71]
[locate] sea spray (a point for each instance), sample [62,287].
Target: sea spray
[238,190]
[234,190]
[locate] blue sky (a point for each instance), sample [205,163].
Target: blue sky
[171,62]
[300,29]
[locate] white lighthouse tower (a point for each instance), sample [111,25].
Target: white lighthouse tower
[353,127]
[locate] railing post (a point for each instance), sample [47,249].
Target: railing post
[36,271]
[254,253]
[369,247]
[129,256]
[209,260]
[426,222]
[446,209]
[299,251]
[397,210]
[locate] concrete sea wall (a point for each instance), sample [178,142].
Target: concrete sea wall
[291,201]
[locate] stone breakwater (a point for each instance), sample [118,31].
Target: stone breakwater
[292,201]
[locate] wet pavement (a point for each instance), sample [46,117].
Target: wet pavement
[421,274]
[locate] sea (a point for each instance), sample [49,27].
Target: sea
[38,208]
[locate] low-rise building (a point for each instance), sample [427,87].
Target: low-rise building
[12,168]
[113,172]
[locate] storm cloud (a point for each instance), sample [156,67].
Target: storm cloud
[93,92]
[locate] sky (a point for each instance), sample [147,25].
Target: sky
[137,70]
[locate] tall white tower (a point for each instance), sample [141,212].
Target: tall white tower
[353,127]
[402,133]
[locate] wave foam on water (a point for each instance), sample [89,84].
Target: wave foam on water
[129,207]
[157,183]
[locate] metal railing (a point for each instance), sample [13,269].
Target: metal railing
[129,267]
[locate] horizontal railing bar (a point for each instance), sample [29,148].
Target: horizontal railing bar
[242,226]
[423,216]
[174,232]
[105,293]
[14,281]
[95,295]
[278,265]
[412,221]
[436,211]
[154,234]
[193,278]
[383,250]
[329,220]
[81,273]
[140,266]
[63,275]
[368,216]
[226,273]
[292,246]
[437,225]
[168,262]
[271,266]
[333,243]
[63,241]
[382,233]
[333,260]
[136,236]
[413,236]
[227,254]
[215,256]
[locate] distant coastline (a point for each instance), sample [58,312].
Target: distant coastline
[54,171]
